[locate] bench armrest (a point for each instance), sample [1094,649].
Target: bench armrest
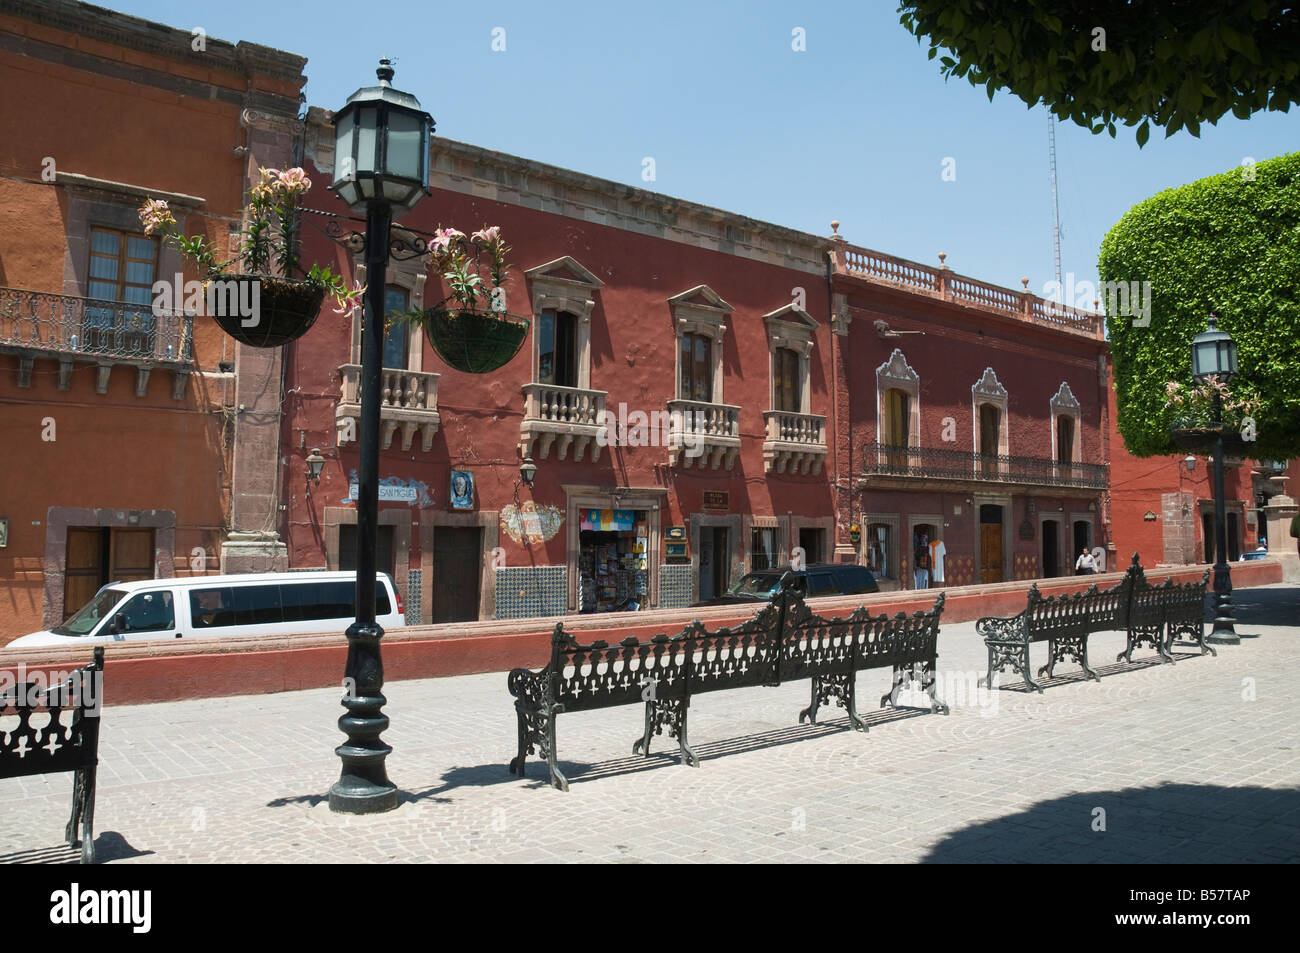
[528,687]
[1001,628]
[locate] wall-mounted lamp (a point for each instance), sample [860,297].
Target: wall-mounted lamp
[527,473]
[315,462]
[1189,461]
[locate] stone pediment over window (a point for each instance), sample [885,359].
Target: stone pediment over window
[1064,400]
[791,327]
[897,372]
[700,310]
[989,387]
[564,284]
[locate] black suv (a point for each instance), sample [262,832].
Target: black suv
[826,579]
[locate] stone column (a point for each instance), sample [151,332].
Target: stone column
[1178,519]
[1278,514]
[253,543]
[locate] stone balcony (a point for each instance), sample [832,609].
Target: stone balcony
[409,403]
[704,434]
[795,443]
[563,417]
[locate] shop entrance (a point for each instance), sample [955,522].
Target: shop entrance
[715,562]
[612,558]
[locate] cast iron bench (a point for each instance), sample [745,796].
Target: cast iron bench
[58,744]
[1160,614]
[785,641]
[1148,614]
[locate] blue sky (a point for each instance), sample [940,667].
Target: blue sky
[855,128]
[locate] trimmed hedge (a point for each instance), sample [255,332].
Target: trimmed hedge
[1228,244]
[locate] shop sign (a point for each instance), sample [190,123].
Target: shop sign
[607,521]
[396,494]
[717,500]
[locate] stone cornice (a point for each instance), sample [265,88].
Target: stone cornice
[75,180]
[470,170]
[146,36]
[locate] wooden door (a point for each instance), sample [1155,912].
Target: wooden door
[457,556]
[98,555]
[84,569]
[132,555]
[990,552]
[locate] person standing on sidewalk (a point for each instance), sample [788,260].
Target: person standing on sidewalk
[1085,565]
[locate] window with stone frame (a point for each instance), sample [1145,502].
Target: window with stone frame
[122,268]
[1066,435]
[790,336]
[397,341]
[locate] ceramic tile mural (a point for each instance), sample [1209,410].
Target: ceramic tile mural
[674,586]
[414,598]
[527,591]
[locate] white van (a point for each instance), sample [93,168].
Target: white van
[283,603]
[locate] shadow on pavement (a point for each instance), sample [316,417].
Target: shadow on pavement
[109,846]
[1168,824]
[664,751]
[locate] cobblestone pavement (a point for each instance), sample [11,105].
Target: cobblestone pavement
[1195,761]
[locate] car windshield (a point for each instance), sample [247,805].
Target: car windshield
[89,615]
[756,585]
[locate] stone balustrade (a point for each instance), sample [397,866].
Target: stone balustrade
[409,402]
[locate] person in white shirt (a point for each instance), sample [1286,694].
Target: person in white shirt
[1085,565]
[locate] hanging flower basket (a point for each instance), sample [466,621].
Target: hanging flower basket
[285,309]
[1199,438]
[472,340]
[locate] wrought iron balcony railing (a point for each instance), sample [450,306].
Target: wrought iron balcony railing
[93,327]
[73,330]
[932,463]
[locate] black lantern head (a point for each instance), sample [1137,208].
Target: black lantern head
[527,472]
[1214,354]
[381,147]
[314,464]
[1189,461]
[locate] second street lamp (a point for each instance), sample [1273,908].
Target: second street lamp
[381,166]
[1214,357]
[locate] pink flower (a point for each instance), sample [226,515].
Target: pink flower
[294,181]
[486,235]
[156,216]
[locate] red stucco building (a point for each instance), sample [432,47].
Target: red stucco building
[132,449]
[805,394]
[792,348]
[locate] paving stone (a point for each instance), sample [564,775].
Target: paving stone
[1185,768]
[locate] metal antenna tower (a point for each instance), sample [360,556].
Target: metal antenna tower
[1056,200]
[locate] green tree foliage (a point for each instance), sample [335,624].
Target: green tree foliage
[1169,63]
[1229,244]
